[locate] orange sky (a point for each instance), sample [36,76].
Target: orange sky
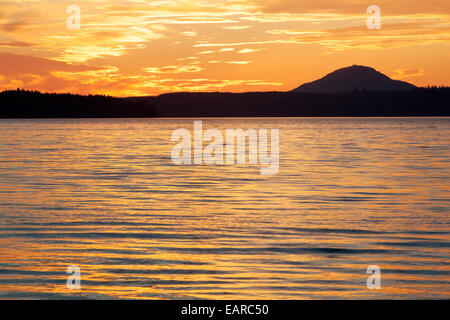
[139,47]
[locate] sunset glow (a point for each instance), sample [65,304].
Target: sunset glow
[137,47]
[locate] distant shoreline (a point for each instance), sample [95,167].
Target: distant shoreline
[419,102]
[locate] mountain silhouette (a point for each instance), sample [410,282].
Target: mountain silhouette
[354,78]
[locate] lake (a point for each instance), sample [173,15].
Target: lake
[104,195]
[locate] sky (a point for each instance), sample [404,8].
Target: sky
[138,48]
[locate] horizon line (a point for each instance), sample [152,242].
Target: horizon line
[219,92]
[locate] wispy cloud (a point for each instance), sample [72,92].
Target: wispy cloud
[174,69]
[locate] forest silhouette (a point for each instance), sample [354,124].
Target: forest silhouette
[431,101]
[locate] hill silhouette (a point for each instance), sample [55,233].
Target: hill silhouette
[354,78]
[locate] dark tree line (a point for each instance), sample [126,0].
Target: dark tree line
[33,104]
[417,102]
[431,101]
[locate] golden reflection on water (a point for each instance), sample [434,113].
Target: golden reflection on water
[103,195]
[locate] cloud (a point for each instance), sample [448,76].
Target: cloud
[182,85]
[12,26]
[248,50]
[199,45]
[12,64]
[190,33]
[191,68]
[17,44]
[230,62]
[351,7]
[38,73]
[408,73]
[389,36]
[236,27]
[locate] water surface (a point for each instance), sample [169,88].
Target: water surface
[103,194]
